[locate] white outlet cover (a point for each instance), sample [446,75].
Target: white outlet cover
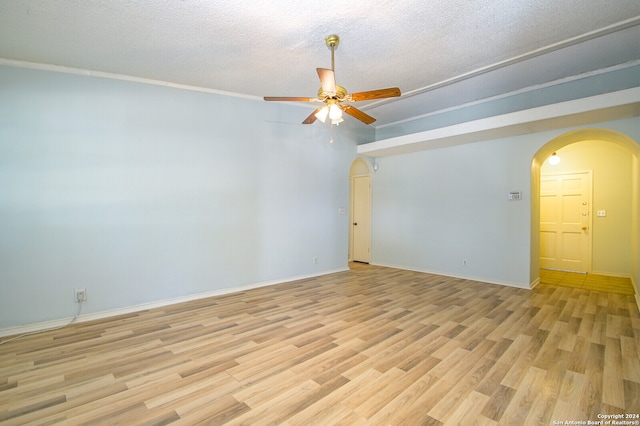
[79,291]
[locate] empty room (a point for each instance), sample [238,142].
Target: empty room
[294,213]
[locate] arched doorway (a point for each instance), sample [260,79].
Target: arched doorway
[577,137]
[360,177]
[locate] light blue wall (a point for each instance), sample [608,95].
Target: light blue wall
[143,193]
[433,209]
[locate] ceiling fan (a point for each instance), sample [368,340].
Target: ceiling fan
[333,95]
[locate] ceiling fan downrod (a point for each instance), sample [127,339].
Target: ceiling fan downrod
[332,43]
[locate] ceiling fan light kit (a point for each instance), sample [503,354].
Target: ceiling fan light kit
[333,95]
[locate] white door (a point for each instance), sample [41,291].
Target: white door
[361,225]
[565,236]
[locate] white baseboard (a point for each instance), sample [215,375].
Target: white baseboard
[47,325]
[610,274]
[535,283]
[462,277]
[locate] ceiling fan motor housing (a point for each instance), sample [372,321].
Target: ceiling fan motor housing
[340,95]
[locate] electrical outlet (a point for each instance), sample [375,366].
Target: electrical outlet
[465,262]
[80,294]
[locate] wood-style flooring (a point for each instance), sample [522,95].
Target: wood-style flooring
[596,282]
[371,345]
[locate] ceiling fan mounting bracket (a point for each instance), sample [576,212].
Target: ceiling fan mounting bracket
[332,41]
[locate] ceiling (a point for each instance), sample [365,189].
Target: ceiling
[430,50]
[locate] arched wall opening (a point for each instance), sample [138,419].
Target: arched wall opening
[592,134]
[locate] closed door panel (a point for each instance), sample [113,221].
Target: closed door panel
[361,225]
[565,240]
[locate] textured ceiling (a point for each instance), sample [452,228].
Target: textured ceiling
[272,47]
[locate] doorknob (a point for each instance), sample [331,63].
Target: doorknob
[584,228]
[355,223]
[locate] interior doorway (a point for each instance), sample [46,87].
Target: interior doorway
[601,217]
[360,212]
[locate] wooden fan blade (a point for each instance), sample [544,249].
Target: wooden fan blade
[327,80]
[375,94]
[355,112]
[286,98]
[310,119]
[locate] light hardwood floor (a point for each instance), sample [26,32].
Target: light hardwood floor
[597,282]
[369,346]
